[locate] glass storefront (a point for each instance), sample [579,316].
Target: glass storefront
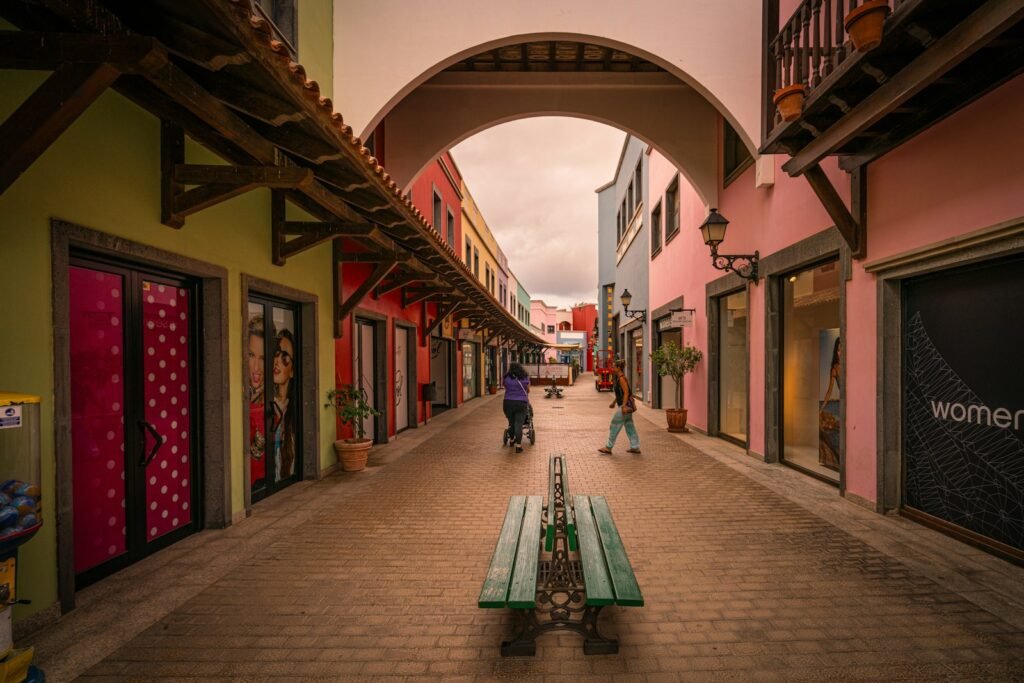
[732,350]
[811,357]
[469,364]
[635,363]
[668,390]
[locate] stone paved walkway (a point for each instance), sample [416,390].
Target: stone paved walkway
[750,572]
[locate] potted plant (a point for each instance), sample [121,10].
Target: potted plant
[865,24]
[349,403]
[672,361]
[492,388]
[790,101]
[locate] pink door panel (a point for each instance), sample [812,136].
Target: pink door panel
[166,371]
[97,416]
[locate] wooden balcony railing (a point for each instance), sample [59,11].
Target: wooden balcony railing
[811,45]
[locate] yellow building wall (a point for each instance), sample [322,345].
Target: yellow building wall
[104,173]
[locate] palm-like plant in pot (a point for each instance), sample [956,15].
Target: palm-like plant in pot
[672,361]
[349,403]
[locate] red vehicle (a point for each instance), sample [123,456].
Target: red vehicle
[603,372]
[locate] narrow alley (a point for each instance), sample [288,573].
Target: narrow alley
[374,575]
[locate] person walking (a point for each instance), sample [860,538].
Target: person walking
[516,403]
[625,406]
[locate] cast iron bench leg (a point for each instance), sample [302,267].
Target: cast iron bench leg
[594,643]
[524,642]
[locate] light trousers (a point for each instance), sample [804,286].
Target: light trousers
[618,422]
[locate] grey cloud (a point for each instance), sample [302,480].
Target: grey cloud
[534,182]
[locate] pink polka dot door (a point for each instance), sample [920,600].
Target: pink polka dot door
[134,479]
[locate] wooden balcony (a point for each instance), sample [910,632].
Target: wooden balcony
[935,57]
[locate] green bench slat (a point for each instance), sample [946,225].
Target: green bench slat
[523,592]
[549,537]
[495,590]
[570,519]
[570,516]
[627,591]
[595,571]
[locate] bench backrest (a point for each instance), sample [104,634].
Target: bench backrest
[559,496]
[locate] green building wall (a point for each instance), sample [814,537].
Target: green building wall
[104,173]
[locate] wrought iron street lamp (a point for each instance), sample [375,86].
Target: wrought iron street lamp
[713,232]
[627,299]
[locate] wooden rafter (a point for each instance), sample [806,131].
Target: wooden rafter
[443,311]
[343,307]
[306,234]
[49,51]
[412,296]
[852,230]
[47,113]
[400,281]
[218,183]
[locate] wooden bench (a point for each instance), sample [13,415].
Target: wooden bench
[558,567]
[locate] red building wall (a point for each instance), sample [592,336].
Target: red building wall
[443,176]
[584,318]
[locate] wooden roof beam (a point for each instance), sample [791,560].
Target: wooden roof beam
[343,307]
[51,50]
[401,281]
[48,112]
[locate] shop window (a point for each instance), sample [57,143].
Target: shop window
[672,210]
[811,357]
[732,364]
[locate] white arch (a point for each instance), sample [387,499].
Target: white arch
[384,51]
[654,107]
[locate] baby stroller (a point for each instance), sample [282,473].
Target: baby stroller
[509,439]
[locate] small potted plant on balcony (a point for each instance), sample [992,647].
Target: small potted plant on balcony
[865,24]
[349,403]
[790,101]
[672,361]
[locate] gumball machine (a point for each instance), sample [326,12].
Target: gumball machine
[20,519]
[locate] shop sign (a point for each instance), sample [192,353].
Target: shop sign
[682,318]
[466,334]
[446,327]
[963,409]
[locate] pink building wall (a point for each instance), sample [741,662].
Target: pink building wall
[542,315]
[961,175]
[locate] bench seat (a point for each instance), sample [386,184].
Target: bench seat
[557,572]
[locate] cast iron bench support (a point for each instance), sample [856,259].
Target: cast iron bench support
[582,568]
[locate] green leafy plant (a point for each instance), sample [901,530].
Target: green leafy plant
[349,402]
[672,361]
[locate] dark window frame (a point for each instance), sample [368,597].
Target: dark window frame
[451,227]
[437,213]
[736,158]
[656,245]
[672,210]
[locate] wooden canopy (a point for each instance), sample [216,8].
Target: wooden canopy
[218,72]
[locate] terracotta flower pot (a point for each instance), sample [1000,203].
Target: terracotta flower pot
[492,389]
[353,454]
[790,101]
[864,24]
[676,419]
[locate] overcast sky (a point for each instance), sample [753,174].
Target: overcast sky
[534,181]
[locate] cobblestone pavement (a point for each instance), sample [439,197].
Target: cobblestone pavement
[375,575]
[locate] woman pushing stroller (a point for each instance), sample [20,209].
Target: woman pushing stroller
[517,402]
